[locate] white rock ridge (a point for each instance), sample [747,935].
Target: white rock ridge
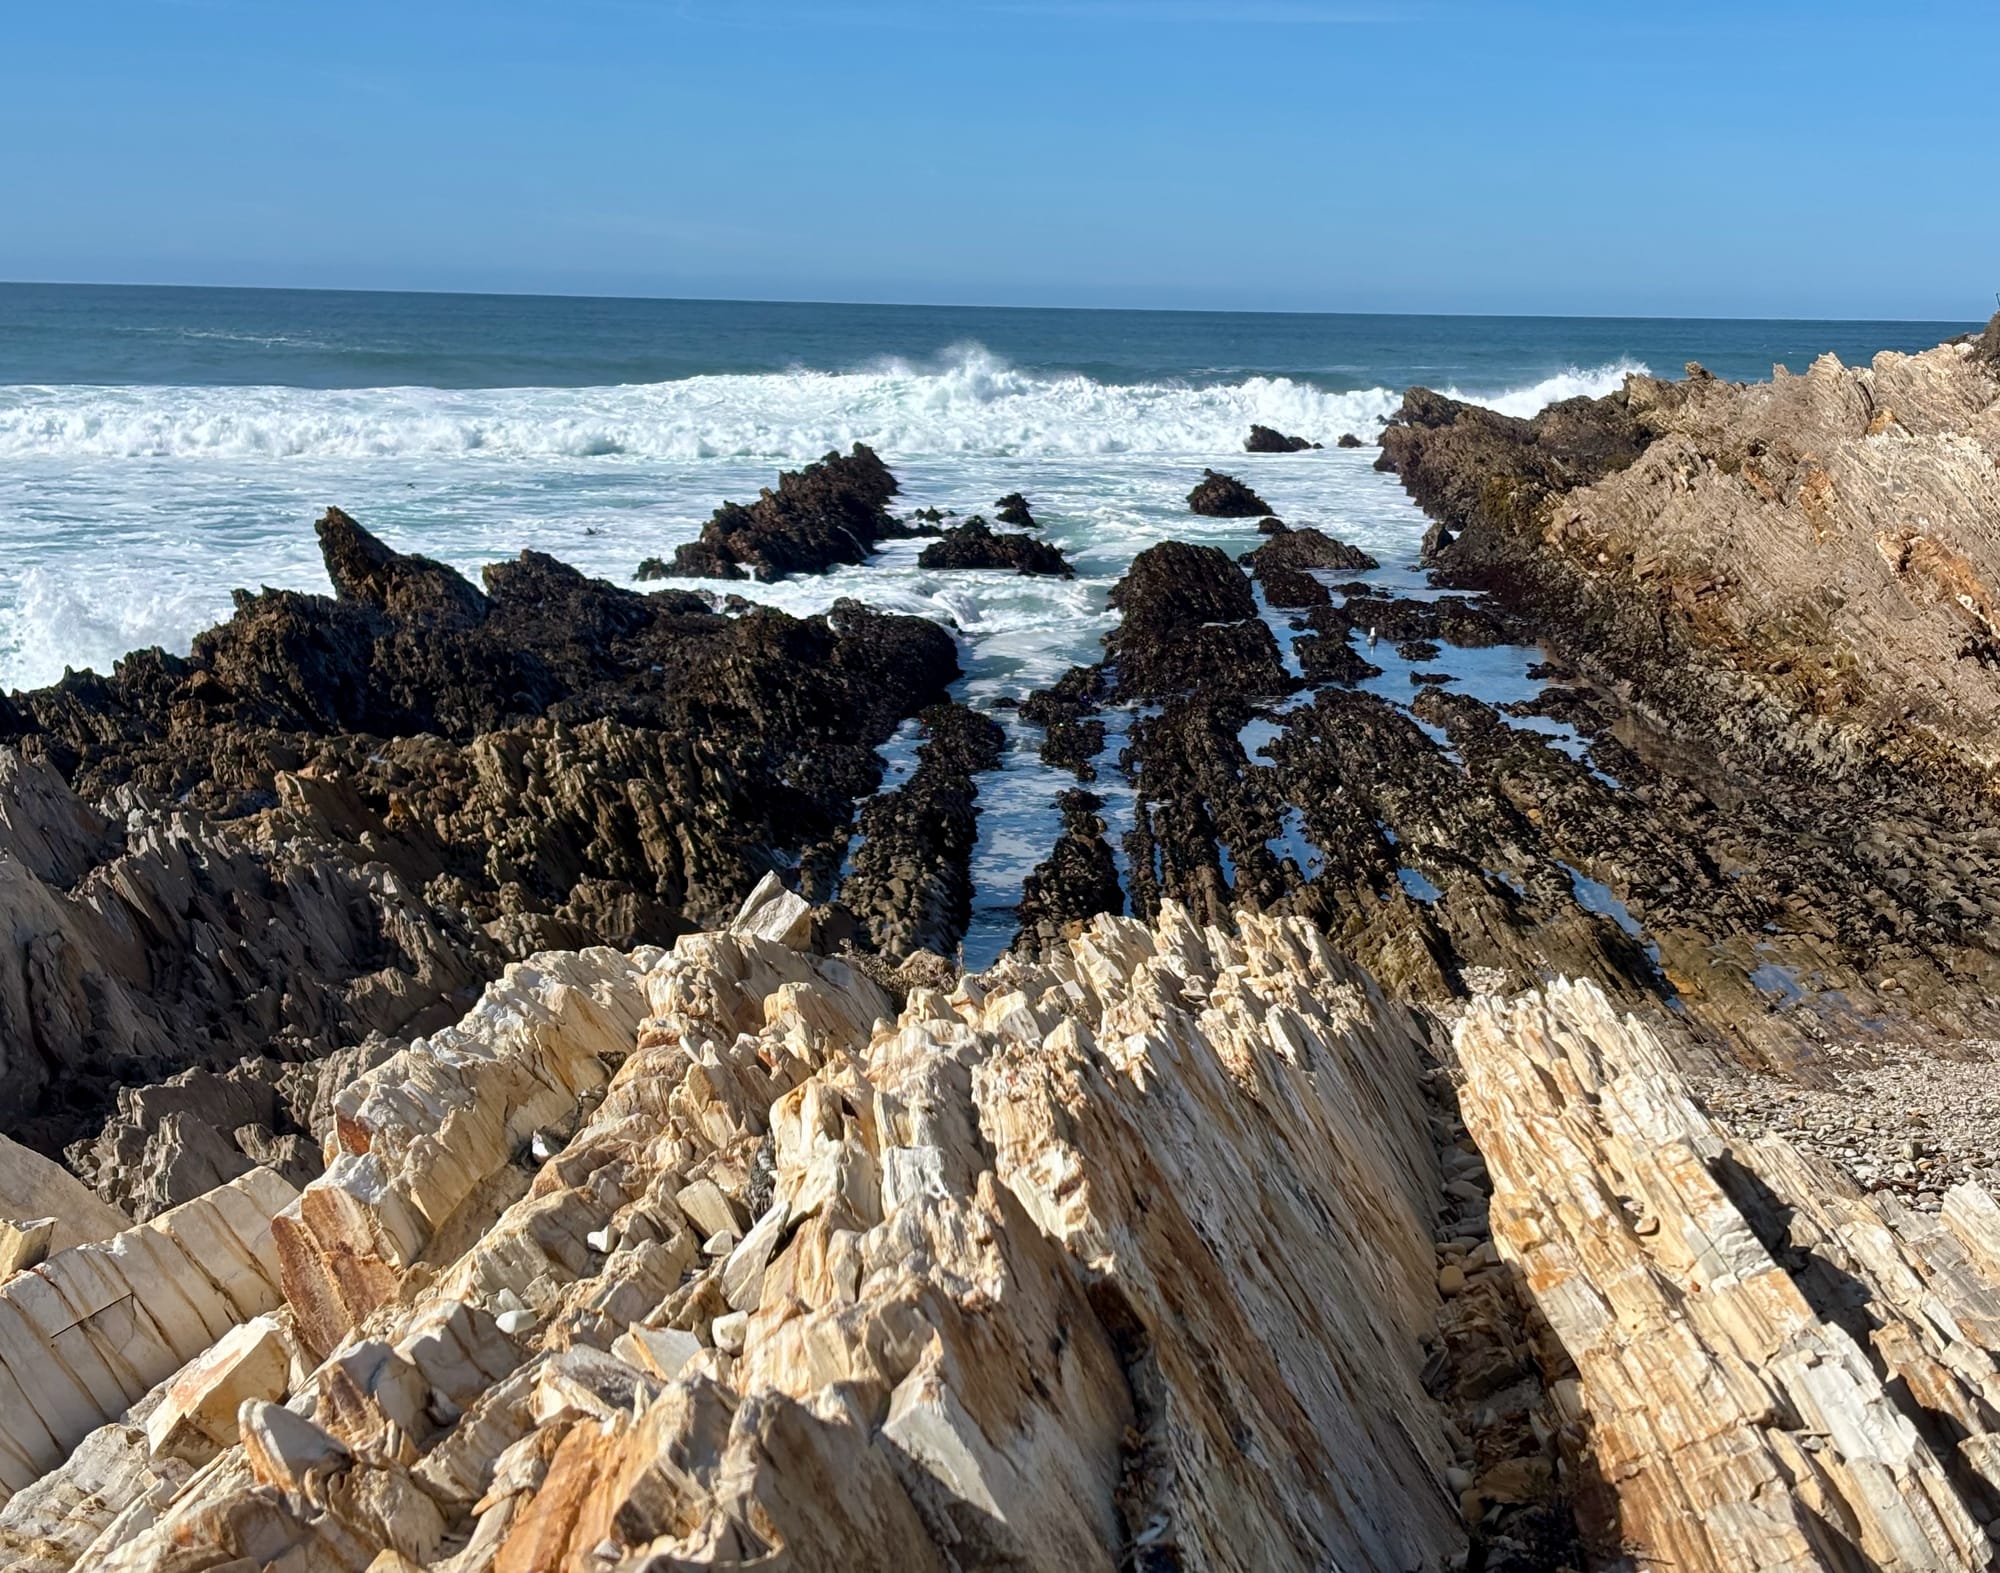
[1121,1260]
[1777,1370]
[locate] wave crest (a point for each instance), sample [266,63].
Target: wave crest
[973,403]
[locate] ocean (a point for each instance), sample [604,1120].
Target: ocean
[160,447]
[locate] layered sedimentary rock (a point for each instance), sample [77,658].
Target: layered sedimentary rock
[1773,1370]
[1119,1259]
[336,819]
[909,881]
[85,1334]
[1807,565]
[828,513]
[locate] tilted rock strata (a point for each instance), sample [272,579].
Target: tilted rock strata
[1776,1370]
[828,513]
[88,1332]
[1825,548]
[340,816]
[1122,1259]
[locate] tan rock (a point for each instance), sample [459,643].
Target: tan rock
[196,1418]
[1737,1421]
[32,1186]
[24,1244]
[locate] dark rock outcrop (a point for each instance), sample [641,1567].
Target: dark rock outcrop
[975,545]
[1263,439]
[1078,880]
[339,816]
[910,882]
[1281,564]
[1189,624]
[1067,713]
[1013,509]
[1349,440]
[1222,496]
[828,513]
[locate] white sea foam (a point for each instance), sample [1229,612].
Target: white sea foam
[974,404]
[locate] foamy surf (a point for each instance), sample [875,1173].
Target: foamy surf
[975,404]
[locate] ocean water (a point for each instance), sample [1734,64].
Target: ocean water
[160,447]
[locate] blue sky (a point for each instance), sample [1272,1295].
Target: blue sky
[1831,159]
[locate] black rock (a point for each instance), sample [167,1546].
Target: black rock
[974,545]
[1224,497]
[1263,439]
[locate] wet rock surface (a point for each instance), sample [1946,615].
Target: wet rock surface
[340,815]
[828,513]
[975,544]
[1265,439]
[910,883]
[1078,880]
[1222,496]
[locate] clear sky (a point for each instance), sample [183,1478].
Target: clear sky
[1760,157]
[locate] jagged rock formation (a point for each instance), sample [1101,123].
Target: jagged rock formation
[828,513]
[338,817]
[1776,596]
[1189,624]
[1265,439]
[1013,509]
[1821,550]
[1118,1260]
[1772,1369]
[1078,880]
[1224,497]
[910,880]
[88,1332]
[1283,562]
[975,545]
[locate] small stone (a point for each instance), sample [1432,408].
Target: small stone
[1451,1281]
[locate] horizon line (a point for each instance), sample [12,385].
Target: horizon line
[882,305]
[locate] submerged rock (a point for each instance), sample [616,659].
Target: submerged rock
[1224,497]
[974,545]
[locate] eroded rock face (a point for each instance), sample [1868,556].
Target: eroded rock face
[830,512]
[340,816]
[910,883]
[1224,497]
[1121,1259]
[975,545]
[1773,1370]
[1264,439]
[1741,553]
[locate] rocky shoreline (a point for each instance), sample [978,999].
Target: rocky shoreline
[562,994]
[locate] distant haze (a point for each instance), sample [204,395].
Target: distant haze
[1831,159]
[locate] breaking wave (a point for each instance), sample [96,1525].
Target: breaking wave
[976,404]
